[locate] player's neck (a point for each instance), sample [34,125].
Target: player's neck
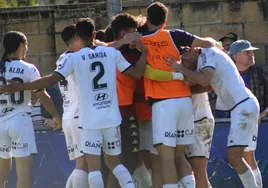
[88,43]
[153,27]
[15,55]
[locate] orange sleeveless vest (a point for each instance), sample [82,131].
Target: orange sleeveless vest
[160,45]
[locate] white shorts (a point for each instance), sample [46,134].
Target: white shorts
[173,122]
[94,140]
[146,137]
[73,137]
[17,137]
[203,139]
[244,125]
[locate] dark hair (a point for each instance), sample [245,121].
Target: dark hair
[121,22]
[68,33]
[100,34]
[157,13]
[108,34]
[11,42]
[85,28]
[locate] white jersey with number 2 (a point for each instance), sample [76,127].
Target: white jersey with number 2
[94,70]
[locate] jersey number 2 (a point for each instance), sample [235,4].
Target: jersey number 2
[12,99]
[96,84]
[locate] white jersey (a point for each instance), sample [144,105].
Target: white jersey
[95,74]
[69,92]
[201,107]
[14,103]
[226,81]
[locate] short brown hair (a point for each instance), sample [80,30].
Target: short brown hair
[157,13]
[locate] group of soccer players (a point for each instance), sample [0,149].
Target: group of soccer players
[140,92]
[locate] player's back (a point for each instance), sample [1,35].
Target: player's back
[160,45]
[226,81]
[22,72]
[69,93]
[95,74]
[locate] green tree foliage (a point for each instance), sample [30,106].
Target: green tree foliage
[3,4]
[14,3]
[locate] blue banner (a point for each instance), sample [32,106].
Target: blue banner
[52,167]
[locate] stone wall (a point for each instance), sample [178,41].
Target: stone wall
[216,18]
[204,18]
[42,26]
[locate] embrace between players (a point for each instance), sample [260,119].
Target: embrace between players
[154,73]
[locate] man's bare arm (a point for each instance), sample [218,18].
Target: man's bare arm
[41,83]
[49,106]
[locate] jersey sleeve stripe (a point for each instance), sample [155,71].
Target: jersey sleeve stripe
[126,69]
[60,75]
[207,67]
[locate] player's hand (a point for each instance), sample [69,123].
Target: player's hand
[262,115]
[57,123]
[174,64]
[48,122]
[99,43]
[138,44]
[11,88]
[130,37]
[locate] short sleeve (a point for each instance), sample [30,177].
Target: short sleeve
[34,74]
[181,38]
[121,63]
[66,68]
[205,60]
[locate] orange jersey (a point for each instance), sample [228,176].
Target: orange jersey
[160,44]
[142,109]
[124,84]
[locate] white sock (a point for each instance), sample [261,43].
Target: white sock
[258,178]
[79,179]
[170,186]
[95,179]
[143,177]
[248,179]
[69,183]
[179,185]
[188,181]
[123,176]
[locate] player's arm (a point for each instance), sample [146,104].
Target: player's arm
[161,75]
[41,83]
[60,74]
[127,39]
[50,107]
[203,77]
[205,42]
[183,38]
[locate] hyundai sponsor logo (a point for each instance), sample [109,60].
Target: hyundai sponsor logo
[101,97]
